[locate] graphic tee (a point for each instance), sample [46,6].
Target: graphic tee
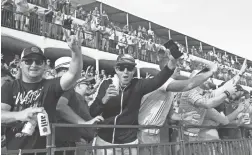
[20,95]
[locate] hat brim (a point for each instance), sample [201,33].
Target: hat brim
[126,63]
[62,66]
[44,58]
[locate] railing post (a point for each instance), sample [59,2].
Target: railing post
[182,142]
[187,51]
[49,143]
[43,25]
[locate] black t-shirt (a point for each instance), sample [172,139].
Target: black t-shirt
[77,103]
[67,24]
[49,17]
[20,95]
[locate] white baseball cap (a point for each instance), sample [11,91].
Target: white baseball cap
[63,62]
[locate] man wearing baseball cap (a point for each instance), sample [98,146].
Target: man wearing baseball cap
[22,99]
[120,104]
[72,108]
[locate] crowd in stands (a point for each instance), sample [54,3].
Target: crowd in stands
[142,44]
[92,98]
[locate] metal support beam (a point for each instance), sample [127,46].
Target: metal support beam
[187,50]
[127,18]
[97,67]
[149,25]
[101,8]
[201,46]
[169,34]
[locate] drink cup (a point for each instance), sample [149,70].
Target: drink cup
[29,127]
[115,82]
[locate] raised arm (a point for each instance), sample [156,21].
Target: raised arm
[185,85]
[234,80]
[74,72]
[168,66]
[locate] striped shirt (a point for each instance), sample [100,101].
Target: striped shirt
[187,104]
[155,106]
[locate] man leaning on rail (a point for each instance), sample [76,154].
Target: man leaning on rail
[121,106]
[22,99]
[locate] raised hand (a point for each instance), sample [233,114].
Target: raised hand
[243,68]
[111,92]
[73,41]
[214,67]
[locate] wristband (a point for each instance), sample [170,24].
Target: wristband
[227,93]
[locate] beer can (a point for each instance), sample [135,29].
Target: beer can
[29,127]
[43,124]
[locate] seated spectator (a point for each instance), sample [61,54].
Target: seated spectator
[22,10]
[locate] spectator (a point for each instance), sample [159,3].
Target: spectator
[144,32]
[132,91]
[34,21]
[150,34]
[67,23]
[105,19]
[72,108]
[66,7]
[57,27]
[45,95]
[122,44]
[156,105]
[7,13]
[113,38]
[15,62]
[126,29]
[96,12]
[6,76]
[22,10]
[49,16]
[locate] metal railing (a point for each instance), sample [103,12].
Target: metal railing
[242,146]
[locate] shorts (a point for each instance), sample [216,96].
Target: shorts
[19,17]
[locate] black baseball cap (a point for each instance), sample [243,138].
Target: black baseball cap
[32,50]
[125,59]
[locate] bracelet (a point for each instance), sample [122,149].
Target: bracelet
[227,93]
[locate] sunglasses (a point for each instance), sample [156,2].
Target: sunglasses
[121,68]
[30,61]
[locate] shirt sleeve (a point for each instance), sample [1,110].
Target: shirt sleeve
[194,96]
[55,86]
[6,94]
[68,94]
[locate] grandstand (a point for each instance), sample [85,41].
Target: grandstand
[106,33]
[142,44]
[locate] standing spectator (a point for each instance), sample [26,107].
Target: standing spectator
[22,10]
[72,108]
[34,21]
[48,26]
[144,31]
[67,23]
[6,76]
[113,40]
[105,19]
[122,44]
[35,95]
[156,105]
[95,12]
[150,34]
[105,41]
[66,7]
[15,62]
[126,29]
[7,13]
[128,93]
[58,25]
